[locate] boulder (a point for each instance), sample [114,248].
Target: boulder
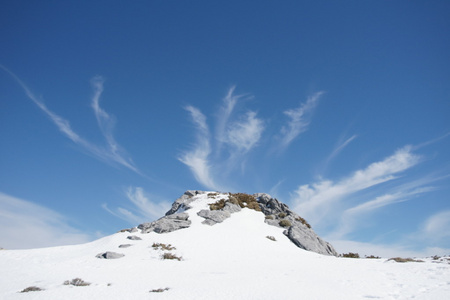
[134,238]
[299,231]
[168,223]
[182,203]
[213,216]
[125,245]
[307,239]
[109,255]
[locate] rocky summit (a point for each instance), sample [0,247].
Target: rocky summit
[223,205]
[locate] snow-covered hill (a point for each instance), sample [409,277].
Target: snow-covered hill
[241,257]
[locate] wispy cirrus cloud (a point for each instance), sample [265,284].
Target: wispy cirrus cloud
[299,119]
[113,153]
[245,134]
[351,217]
[30,225]
[197,159]
[317,200]
[437,227]
[342,143]
[143,209]
[237,136]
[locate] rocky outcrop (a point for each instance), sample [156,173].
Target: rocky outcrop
[297,229]
[307,239]
[168,223]
[277,214]
[109,255]
[218,215]
[134,238]
[182,203]
[213,216]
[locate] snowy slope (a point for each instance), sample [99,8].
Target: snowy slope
[229,260]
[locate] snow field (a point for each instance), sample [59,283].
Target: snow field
[229,260]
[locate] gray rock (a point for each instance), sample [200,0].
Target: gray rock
[213,216]
[109,255]
[168,223]
[271,206]
[182,203]
[134,238]
[299,233]
[306,239]
[125,245]
[231,208]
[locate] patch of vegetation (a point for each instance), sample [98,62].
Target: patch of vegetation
[303,221]
[373,257]
[76,282]
[272,238]
[31,289]
[282,215]
[159,290]
[217,205]
[285,223]
[162,246]
[269,217]
[171,256]
[245,200]
[350,255]
[404,260]
[241,199]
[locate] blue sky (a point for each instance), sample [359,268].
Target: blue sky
[110,110]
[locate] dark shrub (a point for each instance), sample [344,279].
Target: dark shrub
[351,255]
[285,223]
[159,290]
[403,260]
[171,256]
[163,246]
[303,221]
[76,282]
[31,289]
[217,205]
[245,200]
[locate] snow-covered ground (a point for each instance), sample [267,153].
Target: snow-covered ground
[229,260]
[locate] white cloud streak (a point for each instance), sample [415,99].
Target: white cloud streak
[197,159]
[113,153]
[299,120]
[437,227]
[316,200]
[341,145]
[143,209]
[28,225]
[245,134]
[350,217]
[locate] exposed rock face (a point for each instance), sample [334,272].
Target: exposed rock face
[168,223]
[109,255]
[277,214]
[134,238]
[125,245]
[307,239]
[182,203]
[299,232]
[213,216]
